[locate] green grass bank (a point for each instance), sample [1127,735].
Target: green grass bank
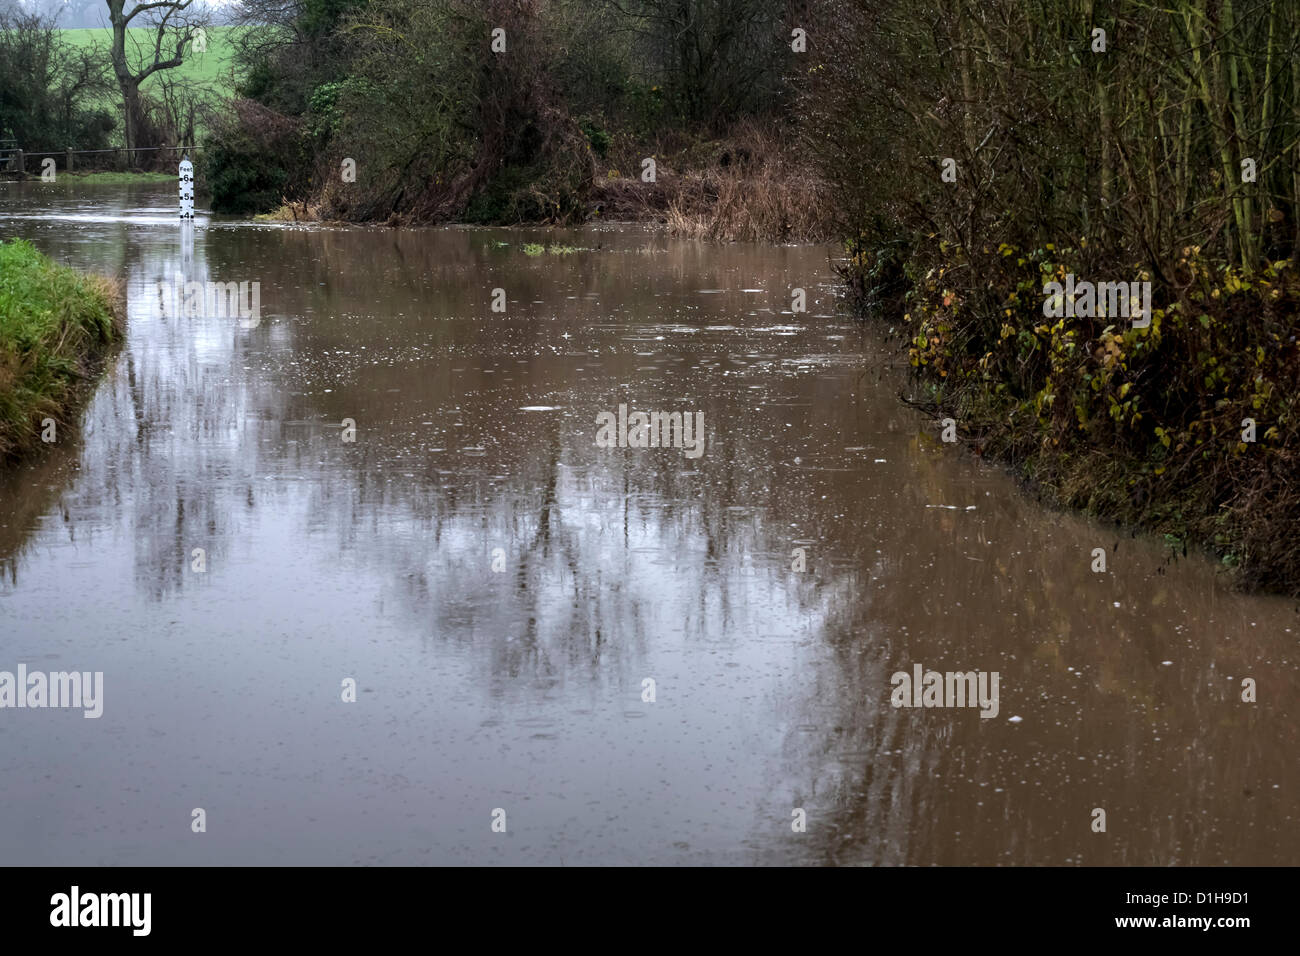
[55,324]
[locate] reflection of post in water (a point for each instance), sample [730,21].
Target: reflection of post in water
[187,237]
[542,537]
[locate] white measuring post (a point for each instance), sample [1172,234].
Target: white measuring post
[187,189]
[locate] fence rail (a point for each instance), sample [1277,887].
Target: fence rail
[14,160]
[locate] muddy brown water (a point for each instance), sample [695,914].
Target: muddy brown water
[523,689]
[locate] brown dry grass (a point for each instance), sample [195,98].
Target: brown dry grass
[113,289]
[749,187]
[293,212]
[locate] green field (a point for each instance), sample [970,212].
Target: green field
[210,69]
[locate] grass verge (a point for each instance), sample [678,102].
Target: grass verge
[54,325]
[118,179]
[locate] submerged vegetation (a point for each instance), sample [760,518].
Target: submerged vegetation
[54,324]
[537,249]
[979,151]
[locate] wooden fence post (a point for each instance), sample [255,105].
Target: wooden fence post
[18,161]
[69,169]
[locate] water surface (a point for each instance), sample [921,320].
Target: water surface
[522,689]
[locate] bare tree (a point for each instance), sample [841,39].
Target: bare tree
[172,28]
[49,87]
[717,56]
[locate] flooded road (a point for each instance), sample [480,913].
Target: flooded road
[503,590]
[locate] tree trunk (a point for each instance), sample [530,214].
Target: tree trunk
[126,82]
[131,132]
